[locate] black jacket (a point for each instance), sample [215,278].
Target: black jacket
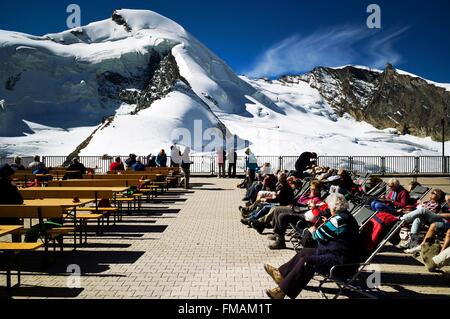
[303,162]
[9,194]
[285,195]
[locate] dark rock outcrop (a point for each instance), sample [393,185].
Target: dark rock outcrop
[383,99]
[117,18]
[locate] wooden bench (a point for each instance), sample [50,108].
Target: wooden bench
[9,250]
[46,209]
[106,211]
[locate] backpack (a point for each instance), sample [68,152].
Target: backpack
[376,228]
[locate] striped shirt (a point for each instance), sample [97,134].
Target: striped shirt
[332,228]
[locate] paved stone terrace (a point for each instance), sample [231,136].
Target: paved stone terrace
[191,245]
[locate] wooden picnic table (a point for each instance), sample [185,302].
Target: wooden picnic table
[70,192]
[122,176]
[95,183]
[44,208]
[9,229]
[49,207]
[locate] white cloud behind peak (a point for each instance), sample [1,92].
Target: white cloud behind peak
[328,47]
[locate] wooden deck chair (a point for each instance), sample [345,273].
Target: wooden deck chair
[357,282]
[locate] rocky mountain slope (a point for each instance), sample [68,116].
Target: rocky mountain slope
[384,99]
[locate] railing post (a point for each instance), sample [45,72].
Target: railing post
[350,164]
[280,162]
[383,165]
[446,164]
[417,165]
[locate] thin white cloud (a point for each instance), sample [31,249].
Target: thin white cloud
[328,47]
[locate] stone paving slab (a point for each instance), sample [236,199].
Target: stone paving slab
[188,245]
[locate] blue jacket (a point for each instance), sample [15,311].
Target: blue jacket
[138,167]
[161,160]
[251,162]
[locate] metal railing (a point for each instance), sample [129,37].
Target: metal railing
[208,164]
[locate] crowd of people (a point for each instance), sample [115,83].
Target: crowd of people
[328,232]
[312,199]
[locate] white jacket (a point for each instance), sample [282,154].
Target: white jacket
[185,156]
[175,155]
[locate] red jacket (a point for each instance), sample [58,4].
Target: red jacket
[401,200]
[116,166]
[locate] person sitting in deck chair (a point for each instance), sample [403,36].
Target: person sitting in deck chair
[260,189]
[283,196]
[443,258]
[337,244]
[396,199]
[425,213]
[285,215]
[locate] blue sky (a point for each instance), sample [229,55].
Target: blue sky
[279,37]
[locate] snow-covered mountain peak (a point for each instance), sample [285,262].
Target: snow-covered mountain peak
[124,23]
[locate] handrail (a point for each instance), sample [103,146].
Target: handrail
[383,165]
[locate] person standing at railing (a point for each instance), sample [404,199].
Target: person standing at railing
[232,158]
[251,165]
[305,161]
[175,156]
[186,166]
[221,158]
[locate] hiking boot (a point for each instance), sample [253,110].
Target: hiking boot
[415,240]
[405,244]
[278,244]
[243,209]
[274,273]
[414,250]
[258,226]
[248,204]
[275,293]
[245,221]
[245,215]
